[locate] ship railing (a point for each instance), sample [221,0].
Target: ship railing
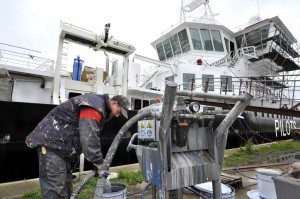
[248,52]
[281,90]
[23,57]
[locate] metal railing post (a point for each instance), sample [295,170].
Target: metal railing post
[294,93]
[240,89]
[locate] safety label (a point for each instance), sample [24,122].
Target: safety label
[149,133]
[149,125]
[150,129]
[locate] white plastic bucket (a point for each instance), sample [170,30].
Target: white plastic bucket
[206,190]
[265,182]
[118,191]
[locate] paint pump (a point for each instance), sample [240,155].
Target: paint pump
[177,144]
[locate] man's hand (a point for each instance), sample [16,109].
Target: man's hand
[100,172]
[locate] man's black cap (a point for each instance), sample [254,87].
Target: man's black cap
[123,103]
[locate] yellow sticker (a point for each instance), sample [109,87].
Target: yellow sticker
[149,125]
[142,125]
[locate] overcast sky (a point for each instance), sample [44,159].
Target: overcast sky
[35,23]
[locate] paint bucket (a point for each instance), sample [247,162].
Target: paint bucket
[253,194]
[118,191]
[265,182]
[206,190]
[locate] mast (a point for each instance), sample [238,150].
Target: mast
[189,7]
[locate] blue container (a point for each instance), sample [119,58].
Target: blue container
[77,68]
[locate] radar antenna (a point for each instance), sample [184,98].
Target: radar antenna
[190,6]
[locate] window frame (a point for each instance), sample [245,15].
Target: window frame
[163,50]
[229,87]
[227,46]
[169,41]
[178,43]
[188,40]
[211,84]
[188,87]
[201,43]
[171,76]
[210,30]
[213,49]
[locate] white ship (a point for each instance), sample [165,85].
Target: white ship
[198,54]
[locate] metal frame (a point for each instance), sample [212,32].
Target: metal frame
[69,32]
[164,135]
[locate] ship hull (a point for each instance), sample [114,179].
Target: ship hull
[18,162]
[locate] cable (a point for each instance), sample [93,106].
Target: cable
[144,190]
[248,126]
[237,169]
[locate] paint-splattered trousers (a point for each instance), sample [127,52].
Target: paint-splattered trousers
[55,175]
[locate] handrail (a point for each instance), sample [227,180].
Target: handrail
[20,57]
[260,87]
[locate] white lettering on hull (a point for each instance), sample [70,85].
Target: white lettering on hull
[284,126]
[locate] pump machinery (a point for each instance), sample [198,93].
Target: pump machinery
[178,144]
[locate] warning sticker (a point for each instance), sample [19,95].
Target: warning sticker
[142,125]
[150,129]
[149,125]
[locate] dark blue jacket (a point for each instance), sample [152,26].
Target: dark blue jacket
[66,134]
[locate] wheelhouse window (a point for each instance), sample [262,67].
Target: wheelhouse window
[184,41]
[175,44]
[170,78]
[160,52]
[168,48]
[216,36]
[196,40]
[206,40]
[226,83]
[226,45]
[207,82]
[256,36]
[137,104]
[240,41]
[188,80]
[145,103]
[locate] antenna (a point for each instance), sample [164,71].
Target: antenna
[188,6]
[258,9]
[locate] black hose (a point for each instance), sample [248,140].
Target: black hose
[113,148]
[110,155]
[196,192]
[144,190]
[82,184]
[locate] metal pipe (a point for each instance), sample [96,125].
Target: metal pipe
[220,139]
[193,94]
[164,134]
[229,119]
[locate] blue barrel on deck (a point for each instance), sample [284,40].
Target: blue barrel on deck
[77,68]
